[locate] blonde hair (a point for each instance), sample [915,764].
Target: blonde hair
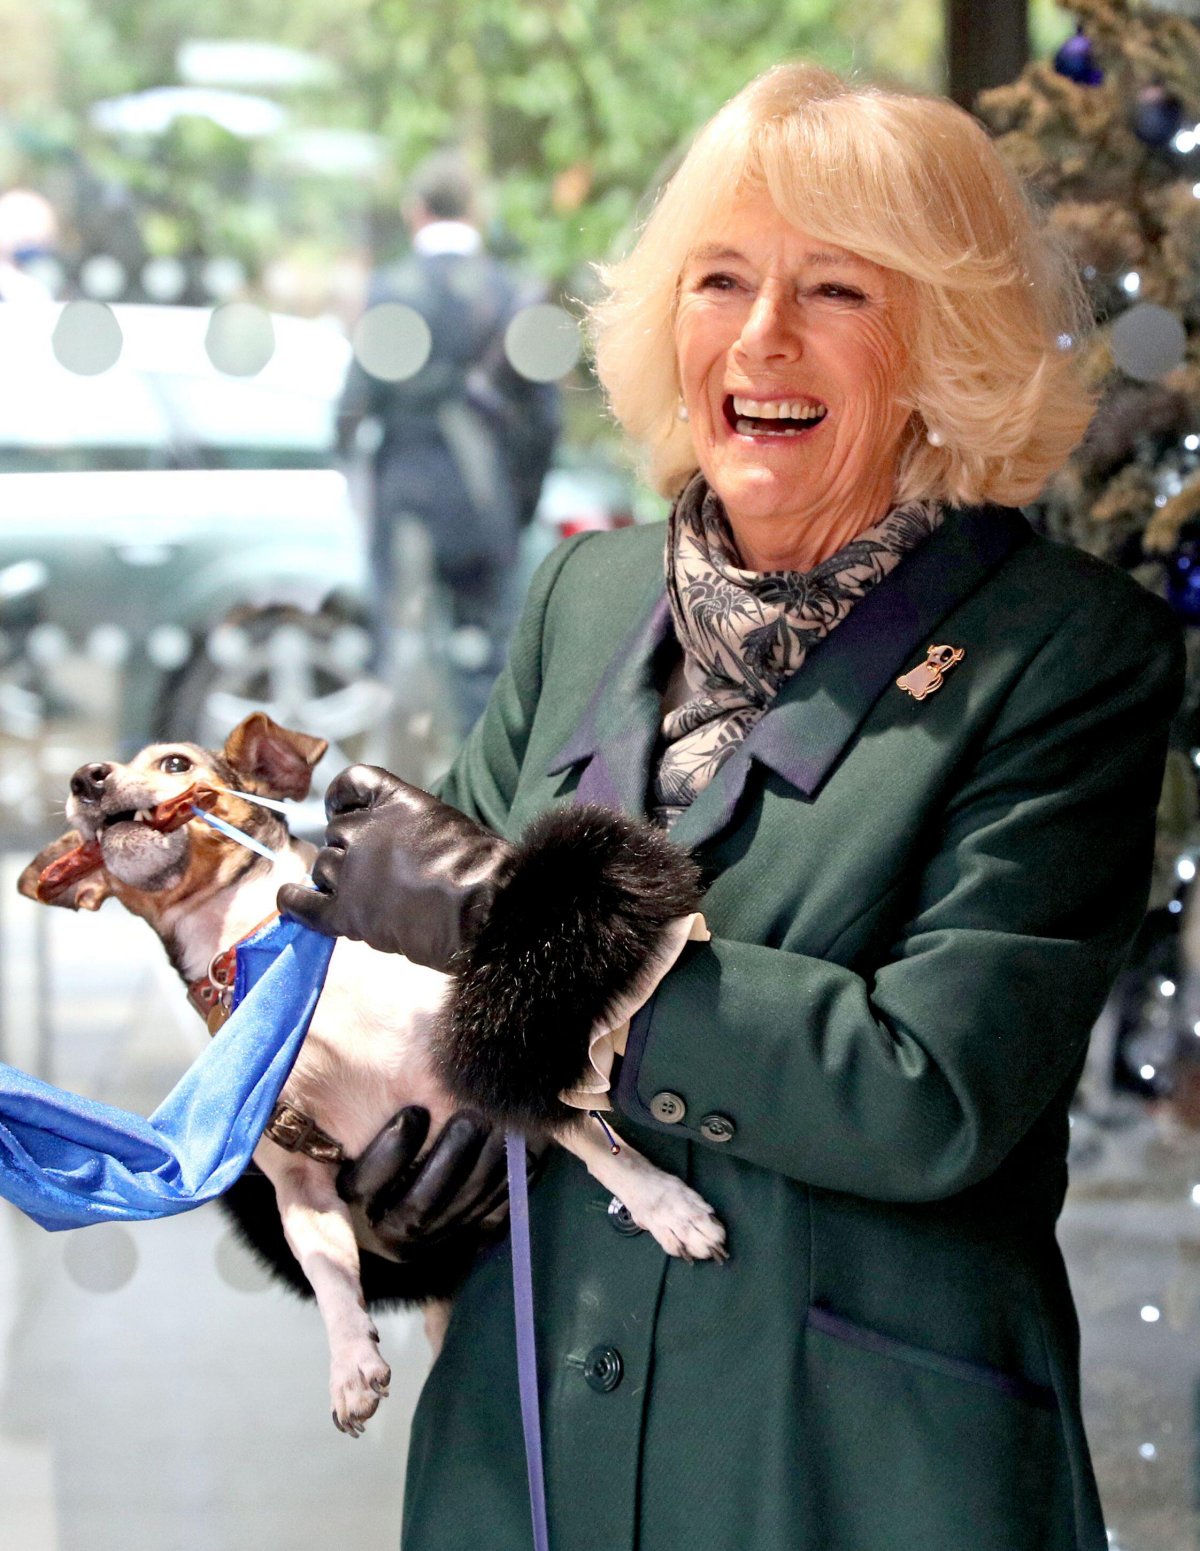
[913,184]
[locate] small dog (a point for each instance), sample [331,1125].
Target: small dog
[367,1053]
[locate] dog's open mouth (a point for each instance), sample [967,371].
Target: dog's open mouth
[164,816]
[126,816]
[161,818]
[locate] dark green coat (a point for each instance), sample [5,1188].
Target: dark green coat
[917,908]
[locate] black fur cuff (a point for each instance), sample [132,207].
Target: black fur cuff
[580,915]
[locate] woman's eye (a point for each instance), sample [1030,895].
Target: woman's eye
[717,282]
[174,764]
[840,293]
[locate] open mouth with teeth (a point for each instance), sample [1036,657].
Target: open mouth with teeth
[126,816]
[773,417]
[162,818]
[158,819]
[165,816]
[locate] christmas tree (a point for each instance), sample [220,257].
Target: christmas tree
[1106,138]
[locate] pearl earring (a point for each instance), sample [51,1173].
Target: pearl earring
[682,412]
[934,438]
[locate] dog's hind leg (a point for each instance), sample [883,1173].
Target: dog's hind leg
[682,1221]
[321,1235]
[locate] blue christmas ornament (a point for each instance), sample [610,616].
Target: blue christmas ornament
[1183,575]
[1076,59]
[1157,115]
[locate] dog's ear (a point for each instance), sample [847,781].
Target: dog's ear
[86,893]
[271,759]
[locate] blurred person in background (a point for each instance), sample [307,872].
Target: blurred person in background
[465,442]
[28,231]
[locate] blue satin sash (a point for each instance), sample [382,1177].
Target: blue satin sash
[68,1161]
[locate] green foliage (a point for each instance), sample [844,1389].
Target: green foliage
[1050,24]
[571,108]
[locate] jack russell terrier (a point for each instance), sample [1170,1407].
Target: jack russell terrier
[135,836]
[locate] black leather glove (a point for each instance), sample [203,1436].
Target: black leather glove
[542,939]
[461,1183]
[400,870]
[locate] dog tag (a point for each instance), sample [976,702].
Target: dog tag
[922,681]
[218,1015]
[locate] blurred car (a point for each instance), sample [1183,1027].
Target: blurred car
[583,492]
[187,524]
[170,518]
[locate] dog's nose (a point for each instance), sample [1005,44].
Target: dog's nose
[88,782]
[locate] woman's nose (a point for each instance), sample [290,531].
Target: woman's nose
[88,782]
[772,327]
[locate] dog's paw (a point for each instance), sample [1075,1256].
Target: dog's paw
[358,1381]
[682,1221]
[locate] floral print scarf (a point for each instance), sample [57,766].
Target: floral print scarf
[744,633]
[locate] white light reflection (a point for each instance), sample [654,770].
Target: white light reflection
[103,277]
[86,338]
[222,277]
[240,339]
[392,341]
[542,342]
[168,647]
[164,279]
[108,645]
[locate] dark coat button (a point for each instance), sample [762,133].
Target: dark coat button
[603,1369]
[717,1128]
[668,1107]
[621,1218]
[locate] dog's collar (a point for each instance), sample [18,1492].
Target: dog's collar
[212,994]
[212,997]
[294,1131]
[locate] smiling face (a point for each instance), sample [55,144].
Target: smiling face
[793,367]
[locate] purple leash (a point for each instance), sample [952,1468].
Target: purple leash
[522,1274]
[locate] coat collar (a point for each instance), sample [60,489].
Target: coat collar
[820,708]
[617,731]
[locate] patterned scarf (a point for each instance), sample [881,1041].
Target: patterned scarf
[745,632]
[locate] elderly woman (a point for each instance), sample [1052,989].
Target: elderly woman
[915,750]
